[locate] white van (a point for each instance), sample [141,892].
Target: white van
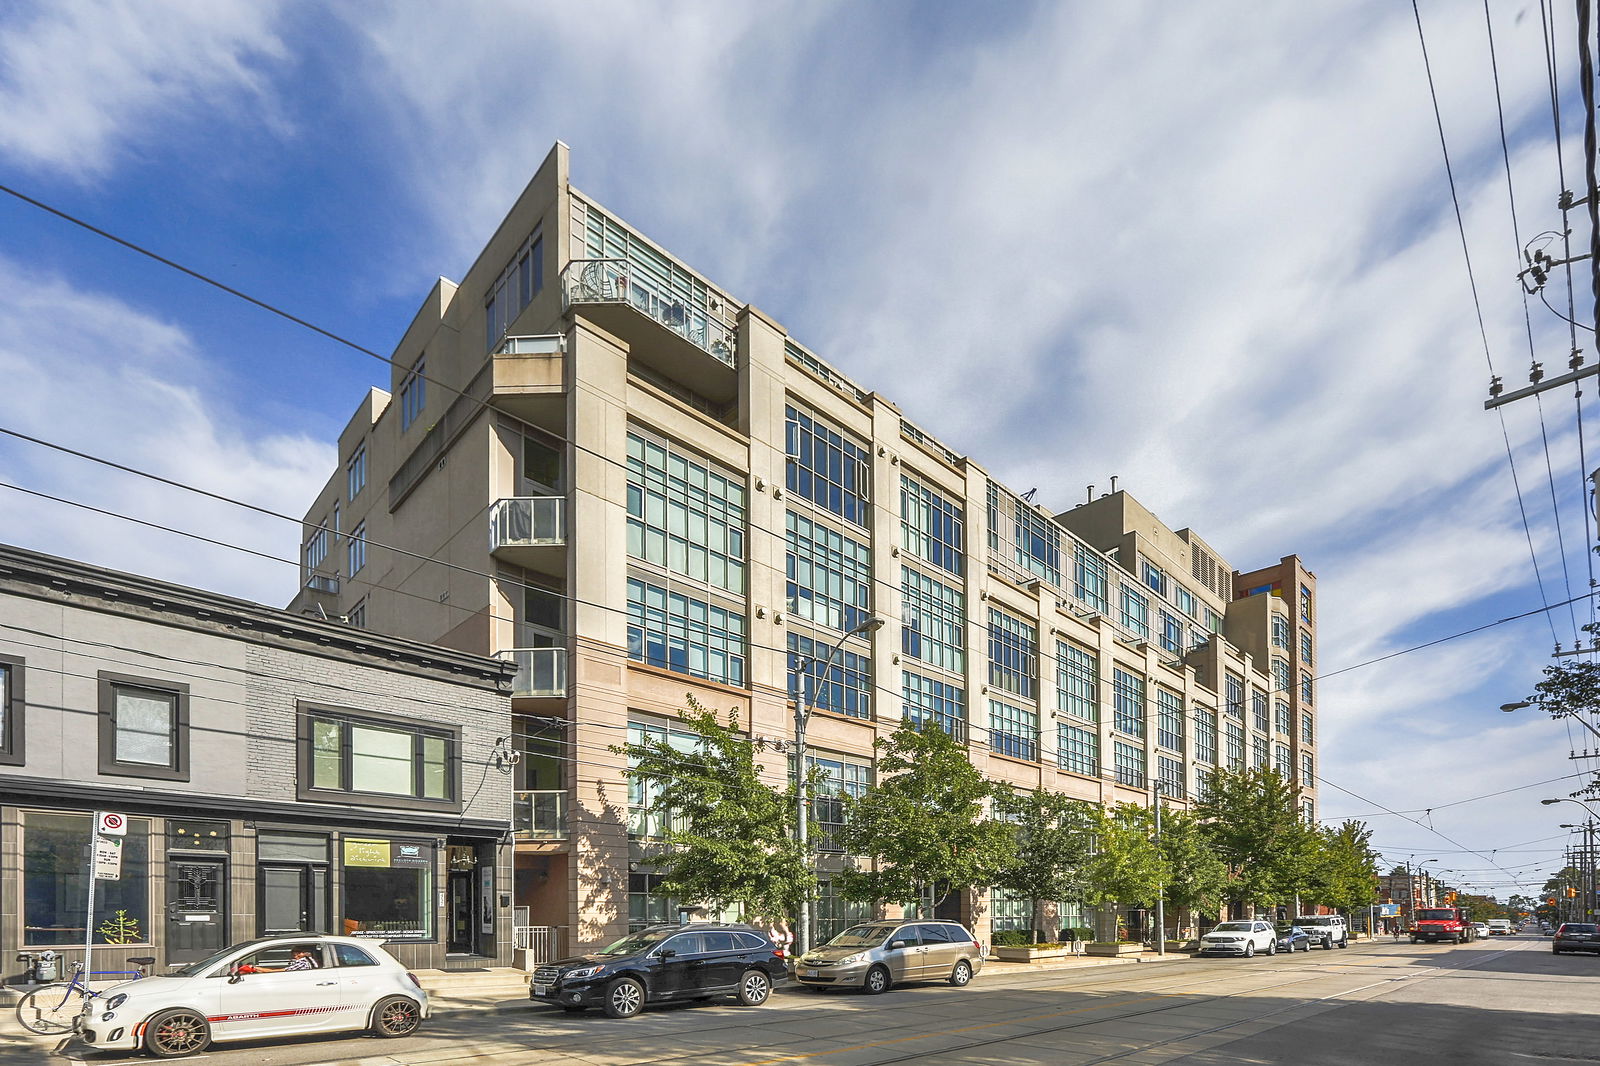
[1329,930]
[1499,927]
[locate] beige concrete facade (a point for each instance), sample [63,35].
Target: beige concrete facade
[612,343]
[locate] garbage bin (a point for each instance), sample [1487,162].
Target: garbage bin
[46,967]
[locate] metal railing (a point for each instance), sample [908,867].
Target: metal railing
[323,583]
[527,521]
[540,671]
[542,942]
[539,344]
[540,814]
[617,281]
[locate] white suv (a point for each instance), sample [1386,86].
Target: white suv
[1240,938]
[1329,930]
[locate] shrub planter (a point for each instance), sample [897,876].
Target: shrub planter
[1033,952]
[1112,948]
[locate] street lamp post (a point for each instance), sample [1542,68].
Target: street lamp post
[1568,714]
[802,713]
[1586,873]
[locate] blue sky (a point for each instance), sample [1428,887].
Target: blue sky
[1209,249]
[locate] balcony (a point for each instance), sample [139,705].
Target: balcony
[530,531]
[529,379]
[541,672]
[663,331]
[328,583]
[539,815]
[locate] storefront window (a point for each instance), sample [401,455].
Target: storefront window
[388,889]
[55,883]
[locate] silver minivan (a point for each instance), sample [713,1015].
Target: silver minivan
[875,955]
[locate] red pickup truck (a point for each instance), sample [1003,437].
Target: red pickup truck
[1442,923]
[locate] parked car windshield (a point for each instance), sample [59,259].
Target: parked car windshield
[862,936]
[637,943]
[1234,927]
[1435,916]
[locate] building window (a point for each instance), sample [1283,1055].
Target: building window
[1213,621]
[1280,717]
[685,516]
[846,687]
[1013,654]
[1308,777]
[413,395]
[345,753]
[355,471]
[827,468]
[1127,702]
[388,888]
[317,546]
[1077,749]
[291,883]
[1205,736]
[933,624]
[516,287]
[1281,761]
[1233,740]
[1169,720]
[1136,611]
[55,884]
[1235,697]
[829,575]
[931,700]
[1128,761]
[1258,710]
[1090,578]
[1155,578]
[1078,682]
[1184,599]
[358,614]
[12,704]
[1170,773]
[1280,631]
[840,776]
[691,636]
[1202,782]
[144,728]
[1009,911]
[356,549]
[1305,649]
[1021,536]
[1305,604]
[1305,686]
[1258,753]
[932,527]
[1171,634]
[646,904]
[1307,734]
[647,817]
[835,914]
[1308,811]
[1280,675]
[1013,731]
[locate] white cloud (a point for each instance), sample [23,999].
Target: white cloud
[84,83]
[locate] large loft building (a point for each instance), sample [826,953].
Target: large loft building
[594,461]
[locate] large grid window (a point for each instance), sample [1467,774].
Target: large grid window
[678,632]
[1235,697]
[840,776]
[1013,731]
[1169,720]
[1013,654]
[1308,777]
[1205,736]
[834,914]
[413,394]
[1280,631]
[355,471]
[356,550]
[1009,911]
[685,515]
[517,285]
[933,622]
[345,753]
[1077,749]
[829,575]
[1280,717]
[827,468]
[647,816]
[1282,761]
[1202,782]
[317,547]
[845,688]
[1258,710]
[1128,762]
[1183,599]
[1305,686]
[1305,649]
[1170,773]
[1021,536]
[932,527]
[1090,578]
[1171,634]
[1258,753]
[1281,680]
[930,700]
[1136,611]
[1307,732]
[1078,681]
[1233,745]
[144,727]
[1155,578]
[1127,702]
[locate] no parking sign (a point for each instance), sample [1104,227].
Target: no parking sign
[110,824]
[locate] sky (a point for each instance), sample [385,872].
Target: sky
[1209,249]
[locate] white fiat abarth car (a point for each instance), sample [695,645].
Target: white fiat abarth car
[277,986]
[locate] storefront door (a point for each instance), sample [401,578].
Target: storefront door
[286,900]
[197,911]
[463,919]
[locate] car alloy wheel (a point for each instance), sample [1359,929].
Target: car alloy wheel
[961,974]
[1250,949]
[1272,948]
[175,1033]
[624,998]
[396,1016]
[877,981]
[754,988]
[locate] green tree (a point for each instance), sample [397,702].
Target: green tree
[1253,820]
[1343,868]
[1053,837]
[1196,879]
[923,826]
[1570,689]
[1127,866]
[730,835]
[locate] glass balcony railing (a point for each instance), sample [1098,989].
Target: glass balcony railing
[617,281]
[323,583]
[540,815]
[540,671]
[527,522]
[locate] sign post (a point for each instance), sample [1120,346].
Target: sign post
[105,860]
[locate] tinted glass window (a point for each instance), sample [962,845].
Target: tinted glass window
[934,934]
[350,955]
[751,942]
[686,944]
[908,933]
[718,942]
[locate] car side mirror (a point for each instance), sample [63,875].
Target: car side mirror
[896,944]
[666,953]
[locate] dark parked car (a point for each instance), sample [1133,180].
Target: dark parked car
[664,963]
[1292,938]
[1576,936]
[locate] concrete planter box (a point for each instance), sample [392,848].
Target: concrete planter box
[1112,950]
[1028,953]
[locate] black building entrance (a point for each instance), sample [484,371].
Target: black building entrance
[197,910]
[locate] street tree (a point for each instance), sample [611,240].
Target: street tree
[1570,688]
[1253,820]
[728,835]
[923,830]
[1197,880]
[1127,866]
[1054,834]
[1343,868]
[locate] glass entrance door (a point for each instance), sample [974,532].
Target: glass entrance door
[285,900]
[461,912]
[197,914]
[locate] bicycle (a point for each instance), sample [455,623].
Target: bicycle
[60,1008]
